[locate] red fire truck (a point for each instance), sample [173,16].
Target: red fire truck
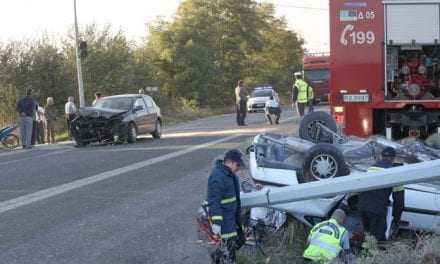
[385,66]
[317,73]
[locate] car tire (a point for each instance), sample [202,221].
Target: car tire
[324,161]
[11,141]
[157,134]
[308,129]
[81,144]
[131,133]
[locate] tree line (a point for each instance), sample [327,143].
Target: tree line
[198,56]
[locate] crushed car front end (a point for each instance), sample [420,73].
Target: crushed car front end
[99,125]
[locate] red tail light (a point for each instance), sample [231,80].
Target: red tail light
[339,114]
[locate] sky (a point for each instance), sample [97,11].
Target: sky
[28,19]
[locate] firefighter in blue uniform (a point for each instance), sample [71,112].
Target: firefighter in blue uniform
[224,206]
[373,205]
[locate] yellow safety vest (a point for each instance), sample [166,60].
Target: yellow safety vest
[305,92]
[325,241]
[398,188]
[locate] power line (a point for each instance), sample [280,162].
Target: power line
[300,7]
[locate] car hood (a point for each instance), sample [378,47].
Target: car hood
[258,100]
[96,112]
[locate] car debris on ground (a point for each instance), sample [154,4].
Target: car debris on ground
[310,176]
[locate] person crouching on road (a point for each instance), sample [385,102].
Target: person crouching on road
[272,107]
[373,205]
[50,118]
[328,240]
[224,206]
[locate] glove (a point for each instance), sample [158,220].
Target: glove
[216,229]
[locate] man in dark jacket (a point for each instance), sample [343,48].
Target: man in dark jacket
[224,206]
[240,103]
[26,108]
[373,205]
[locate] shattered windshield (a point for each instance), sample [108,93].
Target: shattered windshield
[317,75]
[121,103]
[262,93]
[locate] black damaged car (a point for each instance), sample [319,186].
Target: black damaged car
[117,119]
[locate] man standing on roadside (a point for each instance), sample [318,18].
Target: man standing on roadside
[40,125]
[70,113]
[302,94]
[373,205]
[26,107]
[97,97]
[224,206]
[240,99]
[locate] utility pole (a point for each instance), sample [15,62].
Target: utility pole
[78,61]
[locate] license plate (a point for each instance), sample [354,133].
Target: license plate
[259,105]
[356,98]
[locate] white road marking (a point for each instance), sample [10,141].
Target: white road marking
[57,146]
[57,190]
[12,152]
[34,157]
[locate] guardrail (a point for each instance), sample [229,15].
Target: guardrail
[7,118]
[357,182]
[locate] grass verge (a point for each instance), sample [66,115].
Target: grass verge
[184,114]
[284,246]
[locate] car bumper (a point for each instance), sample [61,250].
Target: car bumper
[256,107]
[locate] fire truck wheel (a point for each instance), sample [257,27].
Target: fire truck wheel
[324,161]
[309,130]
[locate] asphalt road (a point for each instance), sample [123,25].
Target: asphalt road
[132,203]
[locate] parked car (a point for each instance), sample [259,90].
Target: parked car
[276,161]
[258,98]
[117,119]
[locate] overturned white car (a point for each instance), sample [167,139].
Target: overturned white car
[320,153]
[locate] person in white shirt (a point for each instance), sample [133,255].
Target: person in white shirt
[272,107]
[70,113]
[97,97]
[40,125]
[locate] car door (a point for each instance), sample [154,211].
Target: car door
[141,115]
[152,114]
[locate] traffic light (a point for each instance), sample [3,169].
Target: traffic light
[83,49]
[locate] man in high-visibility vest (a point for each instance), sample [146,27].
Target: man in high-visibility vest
[328,239]
[302,93]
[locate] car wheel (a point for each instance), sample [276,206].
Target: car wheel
[324,161]
[81,144]
[309,130]
[158,131]
[132,133]
[11,141]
